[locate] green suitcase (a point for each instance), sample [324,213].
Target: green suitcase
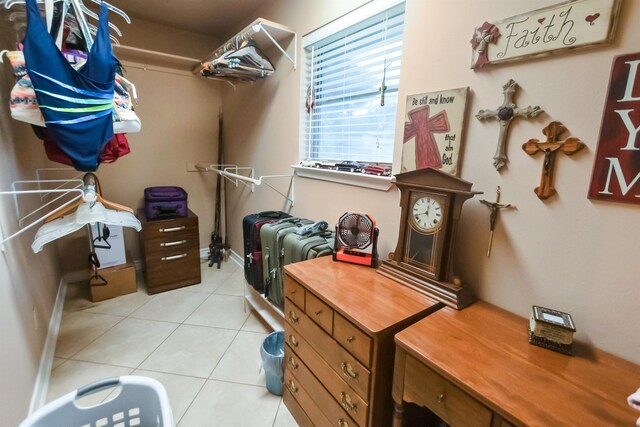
[299,248]
[271,236]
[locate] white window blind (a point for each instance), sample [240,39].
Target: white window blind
[344,73]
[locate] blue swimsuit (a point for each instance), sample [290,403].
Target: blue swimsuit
[76,104]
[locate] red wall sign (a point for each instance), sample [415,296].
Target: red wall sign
[616,171]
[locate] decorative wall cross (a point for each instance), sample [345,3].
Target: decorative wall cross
[505,114]
[423,127]
[549,147]
[494,207]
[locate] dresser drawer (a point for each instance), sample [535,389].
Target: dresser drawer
[294,291]
[445,399]
[353,339]
[170,246]
[353,404]
[320,312]
[177,266]
[304,379]
[341,361]
[296,410]
[170,228]
[308,404]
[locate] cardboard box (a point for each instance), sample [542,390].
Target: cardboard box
[120,280]
[113,252]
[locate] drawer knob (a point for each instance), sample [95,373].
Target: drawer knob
[171,258]
[292,363]
[292,387]
[318,313]
[440,397]
[348,371]
[293,317]
[176,243]
[346,402]
[172,229]
[342,423]
[293,341]
[350,339]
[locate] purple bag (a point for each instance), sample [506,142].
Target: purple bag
[165,202]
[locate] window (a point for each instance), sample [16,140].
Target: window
[346,64]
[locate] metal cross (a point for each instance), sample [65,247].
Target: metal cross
[505,114]
[549,147]
[494,207]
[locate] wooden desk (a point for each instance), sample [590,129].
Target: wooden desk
[475,367]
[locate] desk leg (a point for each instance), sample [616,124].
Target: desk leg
[398,414]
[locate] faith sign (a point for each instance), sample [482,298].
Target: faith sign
[616,171]
[569,25]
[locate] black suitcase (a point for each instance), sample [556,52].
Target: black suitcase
[251,225]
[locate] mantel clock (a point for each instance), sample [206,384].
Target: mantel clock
[431,203]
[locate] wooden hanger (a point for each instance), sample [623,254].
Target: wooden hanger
[90,180]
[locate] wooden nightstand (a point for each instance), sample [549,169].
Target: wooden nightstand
[170,249]
[340,320]
[475,367]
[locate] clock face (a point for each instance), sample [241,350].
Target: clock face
[427,214]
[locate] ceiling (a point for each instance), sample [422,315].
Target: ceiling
[215,18]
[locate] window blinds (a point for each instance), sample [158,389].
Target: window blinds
[344,74]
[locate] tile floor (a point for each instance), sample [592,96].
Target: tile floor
[198,341]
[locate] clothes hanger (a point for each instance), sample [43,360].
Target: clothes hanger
[114,9]
[92,195]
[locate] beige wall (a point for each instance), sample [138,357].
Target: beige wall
[568,253]
[28,282]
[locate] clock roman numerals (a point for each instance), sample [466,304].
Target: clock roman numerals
[427,213]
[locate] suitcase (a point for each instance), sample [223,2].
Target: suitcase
[165,202]
[300,248]
[272,235]
[251,225]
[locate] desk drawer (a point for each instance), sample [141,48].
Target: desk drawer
[353,339]
[320,312]
[446,400]
[354,374]
[304,379]
[294,291]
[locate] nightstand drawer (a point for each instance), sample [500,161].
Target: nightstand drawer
[353,339]
[445,399]
[294,291]
[319,312]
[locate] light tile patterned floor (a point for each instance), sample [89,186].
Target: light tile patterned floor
[197,341]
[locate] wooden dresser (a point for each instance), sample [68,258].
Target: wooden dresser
[340,320]
[171,252]
[475,367]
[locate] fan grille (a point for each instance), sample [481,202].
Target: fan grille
[355,230]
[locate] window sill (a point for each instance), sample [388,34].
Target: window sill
[381,183]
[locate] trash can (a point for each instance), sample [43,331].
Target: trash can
[272,352]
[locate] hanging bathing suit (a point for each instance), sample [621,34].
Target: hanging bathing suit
[77,105]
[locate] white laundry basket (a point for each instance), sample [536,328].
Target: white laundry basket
[142,402]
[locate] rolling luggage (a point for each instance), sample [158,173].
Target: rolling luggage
[312,245]
[272,235]
[251,225]
[165,202]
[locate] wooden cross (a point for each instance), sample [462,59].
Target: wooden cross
[494,207]
[423,127]
[505,114]
[549,147]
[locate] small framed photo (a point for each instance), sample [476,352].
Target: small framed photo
[553,317]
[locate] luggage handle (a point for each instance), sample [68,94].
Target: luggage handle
[97,386]
[270,214]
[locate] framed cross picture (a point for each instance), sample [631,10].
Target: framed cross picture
[433,130]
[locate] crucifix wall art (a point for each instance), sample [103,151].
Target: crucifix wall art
[569,25]
[433,130]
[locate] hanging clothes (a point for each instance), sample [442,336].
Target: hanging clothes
[77,105]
